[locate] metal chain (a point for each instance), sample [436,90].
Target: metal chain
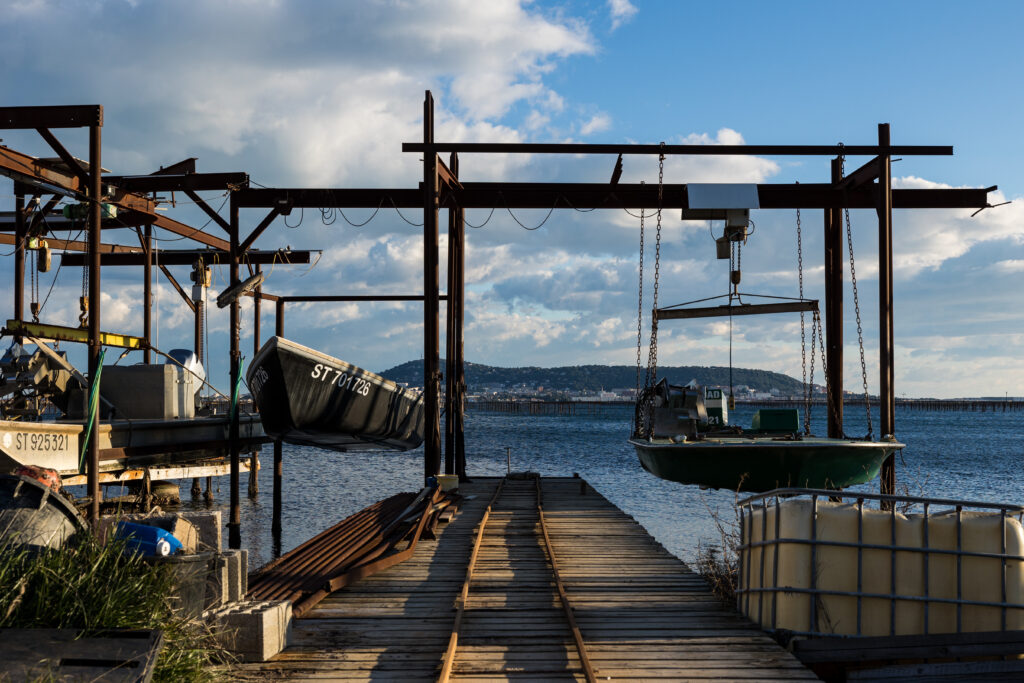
[639,428]
[803,332]
[809,389]
[831,407]
[856,308]
[652,355]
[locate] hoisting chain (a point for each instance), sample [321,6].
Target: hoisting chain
[652,355]
[640,426]
[803,332]
[640,309]
[856,306]
[830,405]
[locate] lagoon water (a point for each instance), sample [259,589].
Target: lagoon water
[963,455]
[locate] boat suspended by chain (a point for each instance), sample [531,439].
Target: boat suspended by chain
[307,397]
[682,433]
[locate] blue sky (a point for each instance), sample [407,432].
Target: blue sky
[322,94]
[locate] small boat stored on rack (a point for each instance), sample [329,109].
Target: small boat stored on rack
[307,397]
[691,443]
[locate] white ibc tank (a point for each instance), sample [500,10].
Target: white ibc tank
[835,568]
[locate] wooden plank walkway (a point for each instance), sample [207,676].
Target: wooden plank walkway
[643,614]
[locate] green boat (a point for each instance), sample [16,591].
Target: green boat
[690,443]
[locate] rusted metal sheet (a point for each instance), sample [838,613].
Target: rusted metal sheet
[356,547]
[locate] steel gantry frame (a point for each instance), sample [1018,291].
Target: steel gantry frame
[443,188]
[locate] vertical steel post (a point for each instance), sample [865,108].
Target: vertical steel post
[887,390]
[431,322]
[450,383]
[278,466]
[20,233]
[95,218]
[197,331]
[235,524]
[834,311]
[460,360]
[256,299]
[147,294]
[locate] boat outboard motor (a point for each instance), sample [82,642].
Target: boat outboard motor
[678,410]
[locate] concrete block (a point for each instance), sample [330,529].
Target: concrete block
[235,574]
[217,583]
[208,525]
[254,631]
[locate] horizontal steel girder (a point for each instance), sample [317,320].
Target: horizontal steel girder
[699,150]
[603,196]
[187,257]
[73,116]
[738,309]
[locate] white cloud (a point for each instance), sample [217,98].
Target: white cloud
[621,11]
[596,124]
[1010,265]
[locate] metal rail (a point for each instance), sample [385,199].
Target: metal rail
[460,602]
[588,669]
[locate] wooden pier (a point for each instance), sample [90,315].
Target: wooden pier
[641,612]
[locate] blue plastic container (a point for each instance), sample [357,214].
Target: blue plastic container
[147,540]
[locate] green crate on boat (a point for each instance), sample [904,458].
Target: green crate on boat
[776,420]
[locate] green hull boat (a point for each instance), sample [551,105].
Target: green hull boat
[763,463]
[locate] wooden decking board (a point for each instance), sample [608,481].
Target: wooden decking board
[643,614]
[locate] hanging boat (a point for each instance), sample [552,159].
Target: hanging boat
[309,398]
[691,443]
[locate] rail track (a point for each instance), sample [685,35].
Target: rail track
[518,523]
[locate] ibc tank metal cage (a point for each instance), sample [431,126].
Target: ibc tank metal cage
[937,556]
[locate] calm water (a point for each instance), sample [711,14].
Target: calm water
[966,455]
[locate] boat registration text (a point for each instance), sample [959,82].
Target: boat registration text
[341,379]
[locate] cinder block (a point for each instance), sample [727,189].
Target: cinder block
[217,583]
[254,631]
[235,590]
[207,523]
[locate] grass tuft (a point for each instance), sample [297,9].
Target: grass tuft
[93,587]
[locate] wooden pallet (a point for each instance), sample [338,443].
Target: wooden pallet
[61,655]
[643,614]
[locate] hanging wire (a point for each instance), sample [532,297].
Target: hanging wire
[521,225]
[302,215]
[486,221]
[399,212]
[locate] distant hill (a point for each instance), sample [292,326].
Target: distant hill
[598,377]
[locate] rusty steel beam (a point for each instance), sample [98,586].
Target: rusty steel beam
[181,290]
[431,287]
[351,297]
[604,196]
[64,154]
[208,210]
[833,240]
[258,230]
[195,234]
[179,182]
[133,256]
[71,116]
[430,147]
[740,309]
[25,167]
[76,245]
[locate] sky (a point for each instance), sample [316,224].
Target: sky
[323,94]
